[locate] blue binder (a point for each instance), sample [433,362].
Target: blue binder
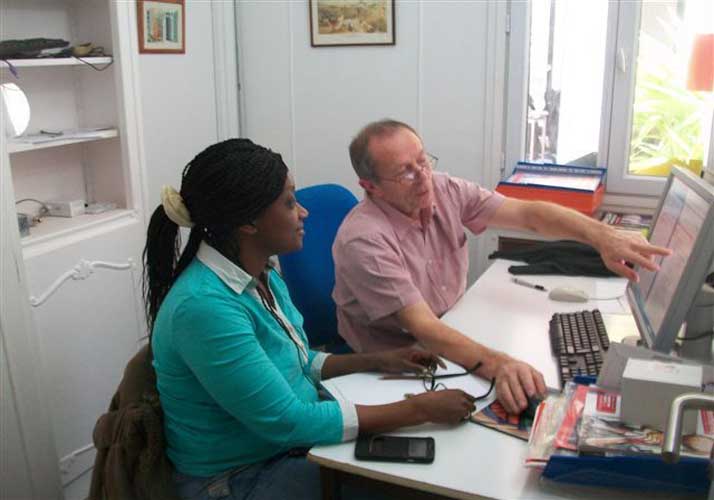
[642,473]
[646,472]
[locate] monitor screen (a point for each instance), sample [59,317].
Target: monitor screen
[683,222]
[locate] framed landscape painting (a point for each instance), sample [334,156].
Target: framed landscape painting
[162,26]
[351,22]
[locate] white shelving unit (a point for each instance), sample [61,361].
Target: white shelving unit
[89,328]
[16,146]
[59,61]
[67,94]
[51,228]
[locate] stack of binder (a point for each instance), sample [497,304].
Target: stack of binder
[580,188]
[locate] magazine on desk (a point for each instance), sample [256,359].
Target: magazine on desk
[585,420]
[602,433]
[495,417]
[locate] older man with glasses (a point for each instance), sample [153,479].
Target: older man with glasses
[401,256]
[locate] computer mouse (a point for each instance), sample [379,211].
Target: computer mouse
[568,294]
[530,410]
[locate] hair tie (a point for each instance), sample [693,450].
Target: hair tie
[174,207]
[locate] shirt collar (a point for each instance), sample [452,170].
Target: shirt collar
[236,278]
[401,223]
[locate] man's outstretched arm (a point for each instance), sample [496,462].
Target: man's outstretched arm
[617,248]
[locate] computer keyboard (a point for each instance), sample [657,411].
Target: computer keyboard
[579,342]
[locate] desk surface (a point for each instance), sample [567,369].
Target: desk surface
[473,461]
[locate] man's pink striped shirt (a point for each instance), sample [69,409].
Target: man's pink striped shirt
[385,261]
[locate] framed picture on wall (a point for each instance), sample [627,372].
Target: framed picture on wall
[351,22]
[162,26]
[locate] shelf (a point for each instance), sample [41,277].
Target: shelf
[21,147]
[54,228]
[55,61]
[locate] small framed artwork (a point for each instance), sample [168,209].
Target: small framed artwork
[351,22]
[162,26]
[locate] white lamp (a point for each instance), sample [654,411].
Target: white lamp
[15,108]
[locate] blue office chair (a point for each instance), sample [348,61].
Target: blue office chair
[310,273]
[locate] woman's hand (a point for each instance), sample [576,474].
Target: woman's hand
[405,360]
[448,406]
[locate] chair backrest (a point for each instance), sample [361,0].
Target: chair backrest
[310,272]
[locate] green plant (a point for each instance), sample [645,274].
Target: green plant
[667,118]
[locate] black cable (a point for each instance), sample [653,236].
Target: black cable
[29,199]
[94,66]
[490,388]
[11,67]
[43,211]
[697,337]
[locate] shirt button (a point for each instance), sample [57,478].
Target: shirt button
[443,288]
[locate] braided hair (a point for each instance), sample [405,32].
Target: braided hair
[227,185]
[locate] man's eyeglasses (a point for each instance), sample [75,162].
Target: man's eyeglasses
[410,175]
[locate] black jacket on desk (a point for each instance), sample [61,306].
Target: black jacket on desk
[570,258]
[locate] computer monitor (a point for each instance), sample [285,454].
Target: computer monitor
[684,222]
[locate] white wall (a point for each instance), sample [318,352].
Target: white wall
[178,103]
[307,103]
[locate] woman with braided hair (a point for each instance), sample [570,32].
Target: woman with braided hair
[236,377]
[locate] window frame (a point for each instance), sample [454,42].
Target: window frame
[621,55]
[623,26]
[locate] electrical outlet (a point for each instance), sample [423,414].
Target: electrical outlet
[62,208]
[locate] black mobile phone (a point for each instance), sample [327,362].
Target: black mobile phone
[395,449]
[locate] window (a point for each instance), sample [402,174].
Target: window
[609,84]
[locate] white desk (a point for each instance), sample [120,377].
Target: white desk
[473,461]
